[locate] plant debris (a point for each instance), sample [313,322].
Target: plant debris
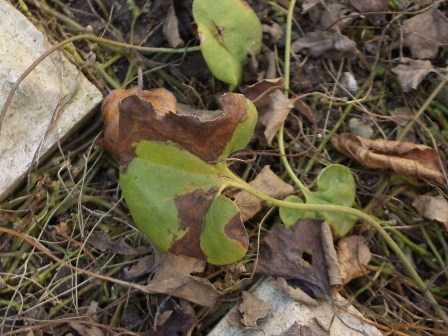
[253,310]
[353,257]
[309,261]
[404,158]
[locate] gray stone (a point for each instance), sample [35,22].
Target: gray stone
[335,318]
[48,104]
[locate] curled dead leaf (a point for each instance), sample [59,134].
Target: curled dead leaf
[173,277]
[131,116]
[403,157]
[353,257]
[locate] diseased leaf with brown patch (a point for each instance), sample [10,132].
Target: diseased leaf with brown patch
[130,118]
[425,33]
[173,277]
[266,182]
[432,207]
[303,255]
[412,72]
[404,158]
[353,256]
[373,9]
[253,310]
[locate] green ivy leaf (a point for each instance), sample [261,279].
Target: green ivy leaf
[335,185]
[229,31]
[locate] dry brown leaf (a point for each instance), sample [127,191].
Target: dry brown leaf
[267,182]
[404,158]
[296,293]
[411,74]
[131,116]
[302,256]
[425,33]
[353,256]
[143,266]
[329,43]
[374,10]
[253,309]
[173,277]
[272,106]
[432,207]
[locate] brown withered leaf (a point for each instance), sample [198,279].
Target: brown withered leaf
[143,266]
[253,310]
[432,207]
[296,293]
[173,277]
[328,43]
[425,33]
[412,72]
[404,158]
[303,255]
[353,256]
[272,106]
[130,117]
[267,182]
[374,10]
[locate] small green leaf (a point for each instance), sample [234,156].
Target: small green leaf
[335,185]
[229,31]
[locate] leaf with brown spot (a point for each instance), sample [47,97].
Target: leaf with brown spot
[130,117]
[168,183]
[266,182]
[173,277]
[302,255]
[404,158]
[353,257]
[425,33]
[432,207]
[253,310]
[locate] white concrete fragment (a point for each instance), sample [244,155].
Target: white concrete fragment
[48,104]
[333,317]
